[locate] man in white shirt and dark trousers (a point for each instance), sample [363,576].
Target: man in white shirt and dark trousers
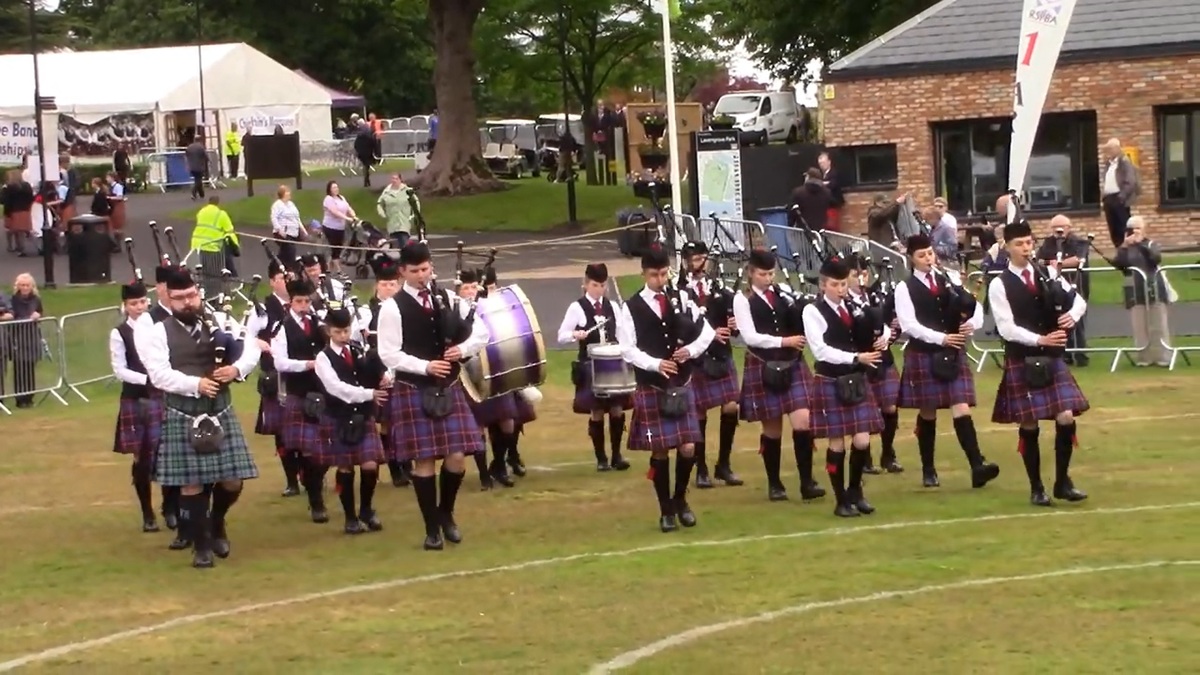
[180,355]
[843,404]
[139,421]
[1033,318]
[431,420]
[660,336]
[937,374]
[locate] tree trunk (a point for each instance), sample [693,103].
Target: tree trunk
[457,166]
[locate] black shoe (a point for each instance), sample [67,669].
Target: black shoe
[450,530]
[355,527]
[485,482]
[860,503]
[501,476]
[811,491]
[401,479]
[846,511]
[170,520]
[319,515]
[667,523]
[180,543]
[433,542]
[371,520]
[891,465]
[871,469]
[619,463]
[777,493]
[1082,361]
[983,474]
[1066,491]
[602,465]
[290,491]
[726,475]
[684,512]
[1038,498]
[203,559]
[929,479]
[517,466]
[220,546]
[702,480]
[149,524]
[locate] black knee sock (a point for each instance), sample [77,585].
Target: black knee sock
[772,449]
[394,469]
[964,428]
[481,462]
[314,481]
[193,510]
[683,474]
[702,444]
[729,423]
[660,476]
[802,442]
[859,459]
[170,500]
[596,433]
[1064,447]
[141,486]
[514,454]
[887,439]
[368,479]
[500,441]
[425,488]
[448,482]
[926,439]
[1031,455]
[835,466]
[222,500]
[345,490]
[616,432]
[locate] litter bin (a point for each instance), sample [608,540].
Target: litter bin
[779,234]
[89,250]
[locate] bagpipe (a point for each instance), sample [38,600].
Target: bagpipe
[682,325]
[1053,299]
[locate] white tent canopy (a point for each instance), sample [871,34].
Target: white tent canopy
[238,79]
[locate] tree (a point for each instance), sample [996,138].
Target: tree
[52,30]
[713,88]
[787,35]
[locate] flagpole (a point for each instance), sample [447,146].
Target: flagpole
[672,123]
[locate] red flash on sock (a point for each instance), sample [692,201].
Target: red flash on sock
[1021,447]
[281,452]
[1074,440]
[831,469]
[760,448]
[650,473]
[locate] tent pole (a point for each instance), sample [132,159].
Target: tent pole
[200,65]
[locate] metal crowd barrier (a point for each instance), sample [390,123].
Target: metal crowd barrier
[169,168]
[84,347]
[30,361]
[795,249]
[987,341]
[1166,337]
[732,235]
[315,155]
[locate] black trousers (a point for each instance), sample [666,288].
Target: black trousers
[198,184]
[23,379]
[233,164]
[1116,213]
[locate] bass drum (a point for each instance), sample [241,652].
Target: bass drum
[515,356]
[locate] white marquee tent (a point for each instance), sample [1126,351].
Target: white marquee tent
[241,84]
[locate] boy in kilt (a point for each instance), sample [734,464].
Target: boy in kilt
[884,378]
[431,420]
[524,409]
[937,374]
[660,336]
[387,284]
[180,356]
[776,382]
[354,389]
[139,420]
[842,404]
[1034,319]
[715,381]
[297,341]
[269,421]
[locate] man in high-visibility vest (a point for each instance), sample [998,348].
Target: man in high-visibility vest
[233,149]
[217,243]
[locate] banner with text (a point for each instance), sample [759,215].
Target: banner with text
[103,138]
[264,120]
[18,137]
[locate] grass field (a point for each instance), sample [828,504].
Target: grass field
[568,570]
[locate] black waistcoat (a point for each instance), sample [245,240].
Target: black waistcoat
[1028,313]
[133,362]
[889,313]
[838,336]
[302,347]
[276,314]
[373,324]
[159,313]
[610,325]
[421,337]
[657,338]
[355,375]
[188,355]
[717,349]
[770,321]
[928,308]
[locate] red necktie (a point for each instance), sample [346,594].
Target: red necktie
[933,287]
[1025,274]
[348,357]
[770,296]
[599,308]
[845,316]
[700,292]
[662,304]
[425,302]
[307,325]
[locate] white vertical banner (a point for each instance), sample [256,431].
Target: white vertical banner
[1043,29]
[669,9]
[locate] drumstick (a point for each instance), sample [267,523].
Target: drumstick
[600,321]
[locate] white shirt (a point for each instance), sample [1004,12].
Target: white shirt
[151,342]
[1111,187]
[118,356]
[814,330]
[949,219]
[391,336]
[1002,312]
[285,219]
[627,333]
[117,190]
[334,385]
[279,345]
[575,319]
[745,323]
[908,314]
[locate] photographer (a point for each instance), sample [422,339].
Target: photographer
[1147,303]
[1074,250]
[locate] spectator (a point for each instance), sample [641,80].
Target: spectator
[996,257]
[17,199]
[1147,303]
[944,233]
[364,149]
[881,220]
[116,200]
[396,211]
[1075,252]
[829,175]
[434,122]
[121,164]
[233,149]
[197,161]
[338,213]
[214,238]
[814,200]
[21,339]
[286,225]
[1120,189]
[100,204]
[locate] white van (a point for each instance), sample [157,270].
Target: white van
[762,116]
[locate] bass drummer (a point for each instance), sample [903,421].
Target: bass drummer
[524,403]
[579,325]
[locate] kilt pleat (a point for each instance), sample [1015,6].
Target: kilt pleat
[756,403]
[416,436]
[137,435]
[833,419]
[301,434]
[586,401]
[920,389]
[887,389]
[269,421]
[179,465]
[494,410]
[651,431]
[526,412]
[715,392]
[337,453]
[1016,402]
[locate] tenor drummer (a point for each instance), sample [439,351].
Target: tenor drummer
[592,320]
[652,338]
[269,421]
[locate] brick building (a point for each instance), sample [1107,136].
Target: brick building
[926,107]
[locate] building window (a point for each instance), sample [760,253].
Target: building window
[1063,173]
[1179,147]
[865,165]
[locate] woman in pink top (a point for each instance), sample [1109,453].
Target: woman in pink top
[337,213]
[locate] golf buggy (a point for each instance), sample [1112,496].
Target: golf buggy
[511,148]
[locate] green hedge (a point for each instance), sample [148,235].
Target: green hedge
[137,178]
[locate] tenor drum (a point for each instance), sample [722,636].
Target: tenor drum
[515,356]
[611,376]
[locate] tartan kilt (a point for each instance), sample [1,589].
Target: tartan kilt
[269,421]
[336,453]
[833,419]
[920,389]
[651,431]
[713,393]
[300,434]
[415,436]
[887,389]
[586,402]
[757,404]
[1016,402]
[494,410]
[526,413]
[179,465]
[136,435]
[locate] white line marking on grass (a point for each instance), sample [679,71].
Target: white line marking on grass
[679,639]
[82,645]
